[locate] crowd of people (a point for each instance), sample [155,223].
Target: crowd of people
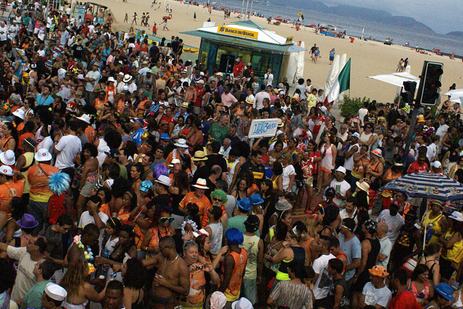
[127,178]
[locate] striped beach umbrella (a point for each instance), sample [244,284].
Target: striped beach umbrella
[427,185]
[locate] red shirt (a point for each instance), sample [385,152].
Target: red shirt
[237,69]
[404,300]
[317,154]
[416,168]
[199,97]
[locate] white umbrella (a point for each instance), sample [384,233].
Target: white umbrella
[397,79]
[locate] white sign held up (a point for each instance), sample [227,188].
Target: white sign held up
[263,128]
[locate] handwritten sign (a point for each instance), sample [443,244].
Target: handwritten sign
[263,128]
[238,32]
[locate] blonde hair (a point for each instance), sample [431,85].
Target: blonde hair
[74,278]
[311,225]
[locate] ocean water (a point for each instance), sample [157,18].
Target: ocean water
[354,26]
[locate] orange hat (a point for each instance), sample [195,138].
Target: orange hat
[379,271]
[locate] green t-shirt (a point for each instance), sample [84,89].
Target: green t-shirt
[219,133]
[32,298]
[238,222]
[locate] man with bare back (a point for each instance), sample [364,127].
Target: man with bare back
[172,279]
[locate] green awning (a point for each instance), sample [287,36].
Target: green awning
[284,48]
[249,23]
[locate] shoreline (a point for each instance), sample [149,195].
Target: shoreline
[368,57]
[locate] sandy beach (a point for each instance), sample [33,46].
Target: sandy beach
[368,57]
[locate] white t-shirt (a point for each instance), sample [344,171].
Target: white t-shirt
[375,296]
[321,287]
[349,164]
[260,96]
[269,79]
[3,33]
[386,247]
[431,152]
[362,113]
[394,223]
[287,171]
[96,76]
[442,130]
[68,146]
[343,215]
[343,187]
[25,278]
[87,218]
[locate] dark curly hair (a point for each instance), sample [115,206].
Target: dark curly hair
[135,276]
[7,275]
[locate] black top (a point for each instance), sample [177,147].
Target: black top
[258,171]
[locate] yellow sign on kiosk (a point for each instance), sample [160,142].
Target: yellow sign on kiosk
[238,32]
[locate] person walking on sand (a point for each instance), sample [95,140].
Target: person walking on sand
[332,53]
[155,29]
[134,18]
[126,18]
[316,54]
[164,27]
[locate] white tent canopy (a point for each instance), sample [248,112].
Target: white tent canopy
[455,95]
[397,79]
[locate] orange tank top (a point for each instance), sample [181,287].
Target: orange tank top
[233,290]
[157,235]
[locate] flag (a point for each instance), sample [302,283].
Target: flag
[341,84]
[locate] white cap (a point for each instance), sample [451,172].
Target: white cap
[218,300]
[174,161]
[242,303]
[6,170]
[19,113]
[201,183]
[42,155]
[55,292]
[85,118]
[164,180]
[457,216]
[341,169]
[436,164]
[7,157]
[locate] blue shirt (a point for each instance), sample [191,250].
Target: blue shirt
[44,101]
[353,250]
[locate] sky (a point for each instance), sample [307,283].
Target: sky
[442,16]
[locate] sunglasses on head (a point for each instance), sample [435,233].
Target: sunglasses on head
[167,219]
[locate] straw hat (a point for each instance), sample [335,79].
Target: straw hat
[363,185]
[199,156]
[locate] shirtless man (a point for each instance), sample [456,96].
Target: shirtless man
[172,278]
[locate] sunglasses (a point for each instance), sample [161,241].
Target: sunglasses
[217,199]
[167,219]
